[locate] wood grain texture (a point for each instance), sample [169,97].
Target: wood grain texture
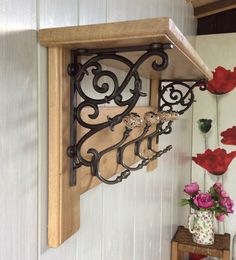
[174,250]
[64,202]
[197,3]
[214,8]
[133,33]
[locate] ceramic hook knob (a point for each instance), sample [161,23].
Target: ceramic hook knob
[168,116]
[132,120]
[151,118]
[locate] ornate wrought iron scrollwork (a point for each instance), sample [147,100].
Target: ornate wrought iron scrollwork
[177,95]
[109,88]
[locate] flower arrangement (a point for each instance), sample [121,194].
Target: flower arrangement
[215,200]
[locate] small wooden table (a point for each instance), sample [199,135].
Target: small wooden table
[182,242]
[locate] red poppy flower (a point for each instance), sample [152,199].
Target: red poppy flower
[229,136]
[215,162]
[223,81]
[193,256]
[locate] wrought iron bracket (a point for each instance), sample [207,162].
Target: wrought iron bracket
[178,95]
[174,96]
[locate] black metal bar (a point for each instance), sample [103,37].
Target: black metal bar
[154,46]
[73,128]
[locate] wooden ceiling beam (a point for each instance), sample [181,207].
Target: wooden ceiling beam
[214,8]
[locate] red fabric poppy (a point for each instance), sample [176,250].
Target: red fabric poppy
[229,136]
[193,256]
[223,81]
[215,162]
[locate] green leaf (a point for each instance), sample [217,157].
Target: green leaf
[194,206]
[184,202]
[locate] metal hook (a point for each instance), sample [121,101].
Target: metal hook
[159,153]
[137,151]
[123,175]
[120,151]
[95,165]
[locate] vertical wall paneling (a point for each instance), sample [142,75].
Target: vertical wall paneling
[58,13]
[18,130]
[90,236]
[92,11]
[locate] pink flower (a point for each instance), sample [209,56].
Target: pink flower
[218,187]
[227,203]
[204,201]
[192,188]
[224,194]
[220,216]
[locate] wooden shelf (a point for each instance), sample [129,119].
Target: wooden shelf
[185,63]
[203,8]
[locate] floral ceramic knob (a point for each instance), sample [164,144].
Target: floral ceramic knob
[167,116]
[132,120]
[151,118]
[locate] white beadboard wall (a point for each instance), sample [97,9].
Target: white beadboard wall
[134,220]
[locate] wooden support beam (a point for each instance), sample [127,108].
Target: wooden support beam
[214,8]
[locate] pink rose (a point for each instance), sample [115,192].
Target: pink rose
[218,187]
[204,201]
[227,203]
[192,188]
[224,194]
[220,216]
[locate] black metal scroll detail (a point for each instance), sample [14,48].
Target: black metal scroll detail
[110,90]
[178,96]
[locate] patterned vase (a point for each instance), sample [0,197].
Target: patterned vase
[201,225]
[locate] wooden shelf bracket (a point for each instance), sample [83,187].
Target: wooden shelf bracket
[96,129]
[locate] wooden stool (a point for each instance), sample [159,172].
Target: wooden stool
[182,242]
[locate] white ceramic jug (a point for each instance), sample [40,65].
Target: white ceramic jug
[201,225]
